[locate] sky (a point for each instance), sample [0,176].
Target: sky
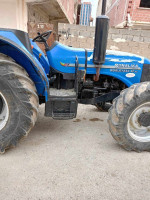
[94,7]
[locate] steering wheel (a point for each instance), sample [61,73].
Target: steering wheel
[42,38]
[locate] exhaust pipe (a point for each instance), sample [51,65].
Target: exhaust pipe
[101,36]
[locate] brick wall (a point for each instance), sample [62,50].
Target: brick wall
[68,7]
[133,41]
[139,14]
[118,12]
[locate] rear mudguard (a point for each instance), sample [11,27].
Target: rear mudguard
[123,66]
[13,47]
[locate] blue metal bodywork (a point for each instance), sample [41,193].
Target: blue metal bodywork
[123,66]
[12,46]
[38,53]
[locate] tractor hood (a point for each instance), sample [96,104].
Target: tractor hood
[123,66]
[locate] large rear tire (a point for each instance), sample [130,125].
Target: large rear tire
[129,118]
[18,103]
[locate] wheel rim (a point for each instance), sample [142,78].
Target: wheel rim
[136,130]
[4,112]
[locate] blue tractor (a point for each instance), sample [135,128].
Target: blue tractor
[63,78]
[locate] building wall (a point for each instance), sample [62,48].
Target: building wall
[139,14]
[133,41]
[13,14]
[68,7]
[62,10]
[99,7]
[85,15]
[117,12]
[16,13]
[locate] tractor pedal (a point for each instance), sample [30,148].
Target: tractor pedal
[62,104]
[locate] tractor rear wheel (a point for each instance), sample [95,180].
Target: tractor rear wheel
[129,118]
[18,103]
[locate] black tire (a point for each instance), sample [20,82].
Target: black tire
[21,96]
[120,114]
[103,106]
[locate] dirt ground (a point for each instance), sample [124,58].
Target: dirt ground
[73,160]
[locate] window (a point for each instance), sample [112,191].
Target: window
[145,3]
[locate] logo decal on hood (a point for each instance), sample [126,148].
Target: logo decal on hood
[65,64]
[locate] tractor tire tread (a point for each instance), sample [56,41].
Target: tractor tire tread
[25,92]
[116,118]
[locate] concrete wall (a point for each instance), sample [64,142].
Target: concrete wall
[16,13]
[133,41]
[13,14]
[53,10]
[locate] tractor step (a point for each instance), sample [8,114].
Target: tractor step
[62,104]
[62,92]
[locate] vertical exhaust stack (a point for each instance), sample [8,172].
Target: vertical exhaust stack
[101,36]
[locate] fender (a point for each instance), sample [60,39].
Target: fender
[38,53]
[13,47]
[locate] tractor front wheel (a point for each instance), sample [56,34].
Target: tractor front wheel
[129,118]
[18,103]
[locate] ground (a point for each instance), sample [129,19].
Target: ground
[73,160]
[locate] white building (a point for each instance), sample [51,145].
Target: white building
[16,14]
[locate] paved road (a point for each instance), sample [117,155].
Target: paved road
[77,159]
